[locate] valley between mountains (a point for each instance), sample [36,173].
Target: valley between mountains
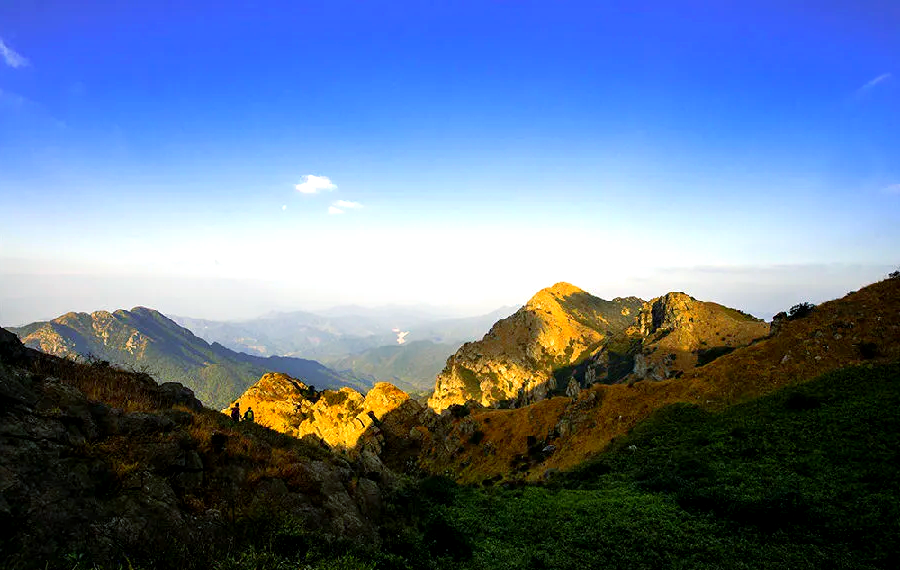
[425,443]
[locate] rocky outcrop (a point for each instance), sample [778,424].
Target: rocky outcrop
[343,419]
[679,333]
[535,351]
[157,484]
[861,328]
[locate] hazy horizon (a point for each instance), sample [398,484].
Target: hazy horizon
[224,162]
[760,291]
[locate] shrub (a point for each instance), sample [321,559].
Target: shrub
[459,411]
[894,275]
[800,310]
[867,350]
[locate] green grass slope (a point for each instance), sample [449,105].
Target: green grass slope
[804,478]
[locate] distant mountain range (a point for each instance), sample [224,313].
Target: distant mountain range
[406,346]
[412,366]
[146,339]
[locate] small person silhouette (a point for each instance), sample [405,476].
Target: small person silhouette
[236,412]
[248,415]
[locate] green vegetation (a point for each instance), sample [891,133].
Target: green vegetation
[804,478]
[411,367]
[599,314]
[800,310]
[146,340]
[471,382]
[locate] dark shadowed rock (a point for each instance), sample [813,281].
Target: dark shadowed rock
[11,349]
[175,394]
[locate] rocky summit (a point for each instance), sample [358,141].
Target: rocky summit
[679,332]
[564,340]
[559,433]
[523,357]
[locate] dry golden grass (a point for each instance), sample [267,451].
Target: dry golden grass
[114,386]
[837,334]
[258,452]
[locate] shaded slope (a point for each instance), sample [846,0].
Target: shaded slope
[146,339]
[101,467]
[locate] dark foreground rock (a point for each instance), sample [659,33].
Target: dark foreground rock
[153,477]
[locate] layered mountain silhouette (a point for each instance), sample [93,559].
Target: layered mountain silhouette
[145,339]
[673,411]
[405,346]
[411,366]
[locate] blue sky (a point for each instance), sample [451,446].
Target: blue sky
[151,153]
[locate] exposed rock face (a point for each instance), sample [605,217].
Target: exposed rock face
[679,332]
[519,360]
[146,339]
[12,350]
[341,418]
[861,328]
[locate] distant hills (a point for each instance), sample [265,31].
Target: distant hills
[146,339]
[361,342]
[412,366]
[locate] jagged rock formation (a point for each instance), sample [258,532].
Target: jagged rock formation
[529,354]
[146,339]
[96,461]
[679,332]
[343,419]
[532,442]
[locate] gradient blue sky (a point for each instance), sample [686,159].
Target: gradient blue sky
[747,153]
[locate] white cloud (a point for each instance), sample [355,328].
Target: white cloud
[312,184]
[347,204]
[284,207]
[11,57]
[872,83]
[333,210]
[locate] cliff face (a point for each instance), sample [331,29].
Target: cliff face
[525,356]
[341,418]
[679,333]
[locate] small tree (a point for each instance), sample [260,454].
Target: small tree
[894,275]
[800,310]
